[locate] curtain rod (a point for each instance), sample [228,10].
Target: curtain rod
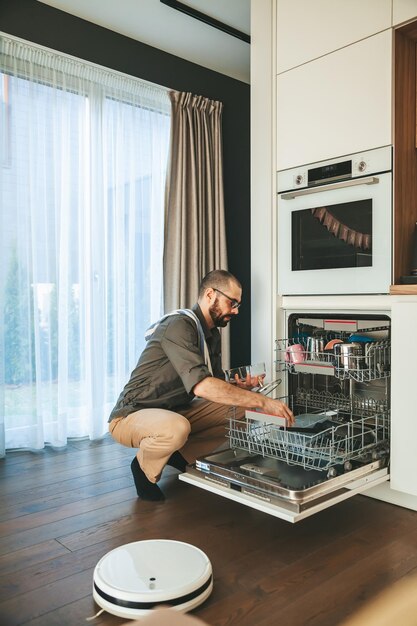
[198,15]
[103,68]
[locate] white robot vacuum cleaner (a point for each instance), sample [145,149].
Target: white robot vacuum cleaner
[138,577]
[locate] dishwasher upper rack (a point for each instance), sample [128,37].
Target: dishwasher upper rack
[374,364]
[337,445]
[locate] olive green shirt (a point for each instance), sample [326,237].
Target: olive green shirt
[170,366]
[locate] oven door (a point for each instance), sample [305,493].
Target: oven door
[336,238]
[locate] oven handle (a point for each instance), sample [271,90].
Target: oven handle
[369,180]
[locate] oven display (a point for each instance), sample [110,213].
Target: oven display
[318,175]
[334,236]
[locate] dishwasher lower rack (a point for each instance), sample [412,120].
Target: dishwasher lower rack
[338,443]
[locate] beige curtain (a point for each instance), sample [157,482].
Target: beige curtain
[195,234]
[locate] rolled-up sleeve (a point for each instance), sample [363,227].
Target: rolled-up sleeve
[180,344]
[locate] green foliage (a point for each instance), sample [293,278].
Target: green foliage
[19,354]
[19,331]
[74,353]
[49,340]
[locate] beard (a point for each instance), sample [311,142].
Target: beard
[216,315]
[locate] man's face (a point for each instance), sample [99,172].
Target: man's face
[225,305]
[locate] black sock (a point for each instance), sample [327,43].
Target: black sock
[177,460]
[144,488]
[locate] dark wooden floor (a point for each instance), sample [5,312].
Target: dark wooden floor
[60,512]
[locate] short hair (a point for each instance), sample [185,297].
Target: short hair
[218,279]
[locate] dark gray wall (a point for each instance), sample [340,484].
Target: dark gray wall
[42,24]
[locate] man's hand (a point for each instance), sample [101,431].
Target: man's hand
[250,382]
[277,407]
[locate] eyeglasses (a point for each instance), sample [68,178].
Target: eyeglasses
[233,303]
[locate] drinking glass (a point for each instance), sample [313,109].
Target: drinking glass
[237,374]
[258,371]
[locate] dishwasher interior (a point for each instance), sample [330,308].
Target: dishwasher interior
[336,372]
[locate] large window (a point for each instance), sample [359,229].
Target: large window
[83,156]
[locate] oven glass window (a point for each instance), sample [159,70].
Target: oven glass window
[333,236]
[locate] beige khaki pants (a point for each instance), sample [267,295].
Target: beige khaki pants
[195,431]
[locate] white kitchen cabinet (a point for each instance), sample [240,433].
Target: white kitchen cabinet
[308,29]
[403,384]
[335,105]
[403,10]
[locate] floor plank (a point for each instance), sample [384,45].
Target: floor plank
[36,503]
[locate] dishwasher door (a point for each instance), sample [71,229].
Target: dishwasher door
[272,486]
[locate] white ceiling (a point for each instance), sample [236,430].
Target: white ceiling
[160,26]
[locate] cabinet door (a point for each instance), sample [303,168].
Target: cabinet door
[403,406]
[403,10]
[308,29]
[336,105]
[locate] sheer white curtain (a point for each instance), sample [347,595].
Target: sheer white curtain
[83,155]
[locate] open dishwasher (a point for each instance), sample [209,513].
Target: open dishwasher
[336,373]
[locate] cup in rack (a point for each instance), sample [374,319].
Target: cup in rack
[295,353]
[349,356]
[315,348]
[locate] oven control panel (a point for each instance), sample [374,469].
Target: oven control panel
[341,168]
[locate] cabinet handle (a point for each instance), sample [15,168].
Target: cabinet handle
[370,180]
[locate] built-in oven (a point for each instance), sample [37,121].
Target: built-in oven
[336,373]
[334,226]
